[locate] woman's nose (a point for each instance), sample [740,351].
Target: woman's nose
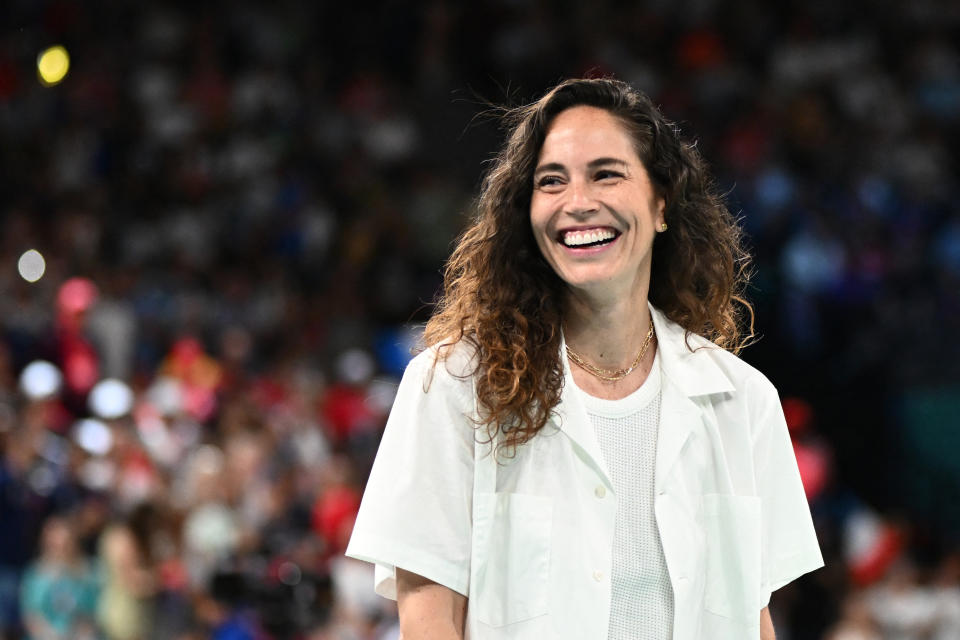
[581,200]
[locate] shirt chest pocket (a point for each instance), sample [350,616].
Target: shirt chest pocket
[732,528]
[511,557]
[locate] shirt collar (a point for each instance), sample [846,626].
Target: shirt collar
[695,372]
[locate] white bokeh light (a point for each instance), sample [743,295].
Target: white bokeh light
[355,366]
[93,436]
[40,379]
[97,474]
[111,399]
[31,265]
[166,395]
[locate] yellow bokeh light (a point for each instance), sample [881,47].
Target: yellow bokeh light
[52,65]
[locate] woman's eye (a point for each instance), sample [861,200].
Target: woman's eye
[608,175]
[548,181]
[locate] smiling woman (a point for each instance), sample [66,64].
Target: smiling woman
[579,452]
[594,211]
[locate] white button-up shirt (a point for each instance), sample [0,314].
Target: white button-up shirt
[529,540]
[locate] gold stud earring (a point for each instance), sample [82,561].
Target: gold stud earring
[663,227]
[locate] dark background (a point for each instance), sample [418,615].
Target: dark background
[244,210]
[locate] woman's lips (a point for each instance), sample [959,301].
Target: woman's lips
[587,238]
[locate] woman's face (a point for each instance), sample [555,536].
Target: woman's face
[594,211]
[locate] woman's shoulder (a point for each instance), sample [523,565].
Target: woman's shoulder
[706,359]
[741,373]
[732,363]
[451,365]
[434,388]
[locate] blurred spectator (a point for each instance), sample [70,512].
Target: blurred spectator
[75,354]
[856,622]
[903,609]
[123,609]
[946,592]
[814,456]
[59,591]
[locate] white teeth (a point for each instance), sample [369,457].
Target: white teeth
[578,238]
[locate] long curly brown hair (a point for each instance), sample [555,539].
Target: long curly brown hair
[506,302]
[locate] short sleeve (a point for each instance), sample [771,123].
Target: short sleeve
[416,509]
[789,545]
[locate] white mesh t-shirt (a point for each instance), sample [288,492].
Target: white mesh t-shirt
[641,605]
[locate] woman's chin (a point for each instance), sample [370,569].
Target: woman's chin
[602,284]
[593,286]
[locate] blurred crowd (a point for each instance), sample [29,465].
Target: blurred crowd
[242,212]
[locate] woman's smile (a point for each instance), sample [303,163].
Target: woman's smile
[579,240]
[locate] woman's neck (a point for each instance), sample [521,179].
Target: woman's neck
[607,332]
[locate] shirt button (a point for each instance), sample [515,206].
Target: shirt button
[598,575]
[600,491]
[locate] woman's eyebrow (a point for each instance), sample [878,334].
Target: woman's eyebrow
[550,166]
[599,162]
[593,164]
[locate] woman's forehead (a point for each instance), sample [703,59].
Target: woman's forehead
[581,133]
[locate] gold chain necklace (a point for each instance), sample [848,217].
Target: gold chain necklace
[611,375]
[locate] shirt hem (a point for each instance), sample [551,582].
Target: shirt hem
[391,554]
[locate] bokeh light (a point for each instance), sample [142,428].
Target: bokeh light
[355,366]
[111,399]
[31,265]
[97,473]
[76,295]
[93,436]
[53,65]
[40,379]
